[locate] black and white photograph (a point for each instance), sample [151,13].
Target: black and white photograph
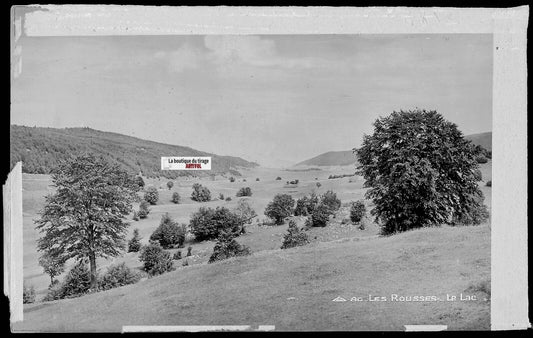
[271,182]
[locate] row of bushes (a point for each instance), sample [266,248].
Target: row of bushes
[330,177]
[78,281]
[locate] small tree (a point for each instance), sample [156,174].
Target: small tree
[200,193]
[221,197]
[281,206]
[144,209]
[318,185]
[489,183]
[117,276]
[78,281]
[257,179]
[420,170]
[169,233]
[226,247]
[151,195]
[306,205]
[176,198]
[155,259]
[232,179]
[294,237]
[134,245]
[278,178]
[320,216]
[357,211]
[330,200]
[135,216]
[244,192]
[53,265]
[208,223]
[84,218]
[170,184]
[245,213]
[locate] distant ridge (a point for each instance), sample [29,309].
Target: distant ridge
[347,157]
[331,158]
[40,150]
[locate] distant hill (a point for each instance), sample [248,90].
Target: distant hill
[482,139]
[331,158]
[40,149]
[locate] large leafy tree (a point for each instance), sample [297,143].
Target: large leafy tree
[84,218]
[421,171]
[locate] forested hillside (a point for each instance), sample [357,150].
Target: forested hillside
[40,149]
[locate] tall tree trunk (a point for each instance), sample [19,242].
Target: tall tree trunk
[92,262]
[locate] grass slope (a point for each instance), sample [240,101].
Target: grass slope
[293,289]
[40,149]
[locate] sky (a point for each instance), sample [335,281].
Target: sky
[273,99]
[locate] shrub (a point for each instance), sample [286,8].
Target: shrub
[118,275]
[151,195]
[228,199]
[177,255]
[320,216]
[144,209]
[420,170]
[318,185]
[244,192]
[135,215]
[226,247]
[221,197]
[489,184]
[279,208]
[293,182]
[208,223]
[357,211]
[185,263]
[330,200]
[294,237]
[134,245]
[478,176]
[232,179]
[200,193]
[170,184]
[244,179]
[168,233]
[140,182]
[28,294]
[481,159]
[155,259]
[278,178]
[77,282]
[176,197]
[257,179]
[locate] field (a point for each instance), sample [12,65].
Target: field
[292,289]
